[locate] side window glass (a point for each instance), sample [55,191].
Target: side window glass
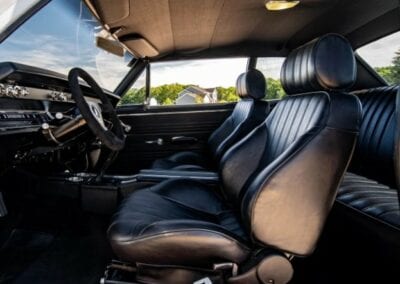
[384,56]
[137,93]
[188,82]
[271,68]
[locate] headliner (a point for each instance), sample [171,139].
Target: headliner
[223,28]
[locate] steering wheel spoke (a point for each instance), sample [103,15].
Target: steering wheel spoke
[112,137]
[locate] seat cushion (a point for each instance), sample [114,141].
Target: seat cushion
[177,222]
[371,199]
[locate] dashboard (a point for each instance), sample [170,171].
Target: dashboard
[31,96]
[34,104]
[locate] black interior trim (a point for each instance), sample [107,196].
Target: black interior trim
[32,11]
[130,78]
[367,77]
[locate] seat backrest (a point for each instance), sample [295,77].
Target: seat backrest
[284,175]
[249,112]
[377,154]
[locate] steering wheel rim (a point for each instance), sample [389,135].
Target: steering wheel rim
[114,140]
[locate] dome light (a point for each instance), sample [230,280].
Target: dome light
[277,5]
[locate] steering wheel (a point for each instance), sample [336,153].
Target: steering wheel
[113,138]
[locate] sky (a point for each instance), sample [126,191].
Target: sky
[381,52]
[206,73]
[62,36]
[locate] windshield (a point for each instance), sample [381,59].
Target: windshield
[62,35]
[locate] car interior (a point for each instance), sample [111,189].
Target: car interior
[303,187]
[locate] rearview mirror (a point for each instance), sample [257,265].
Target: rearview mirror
[110,46]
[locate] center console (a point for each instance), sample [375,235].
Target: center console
[103,196]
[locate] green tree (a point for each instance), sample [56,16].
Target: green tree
[134,96]
[227,95]
[391,74]
[396,68]
[274,89]
[164,94]
[386,73]
[168,93]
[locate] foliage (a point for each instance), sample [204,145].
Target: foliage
[274,89]
[226,95]
[391,73]
[133,96]
[386,73]
[164,94]
[396,67]
[167,94]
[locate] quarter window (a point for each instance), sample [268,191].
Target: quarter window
[271,68]
[384,56]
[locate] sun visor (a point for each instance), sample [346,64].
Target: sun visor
[139,46]
[109,11]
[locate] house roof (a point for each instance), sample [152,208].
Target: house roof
[173,29]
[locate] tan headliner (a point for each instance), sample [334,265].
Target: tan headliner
[232,27]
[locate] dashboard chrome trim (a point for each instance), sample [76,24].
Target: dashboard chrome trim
[29,93]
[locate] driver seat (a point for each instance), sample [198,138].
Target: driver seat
[277,186]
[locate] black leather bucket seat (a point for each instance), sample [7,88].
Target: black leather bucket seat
[277,184]
[249,112]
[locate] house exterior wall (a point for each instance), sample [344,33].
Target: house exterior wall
[185,99]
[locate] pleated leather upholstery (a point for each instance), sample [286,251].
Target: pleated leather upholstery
[245,117]
[249,112]
[371,191]
[278,185]
[178,222]
[371,199]
[376,155]
[278,196]
[251,84]
[327,63]
[291,118]
[302,113]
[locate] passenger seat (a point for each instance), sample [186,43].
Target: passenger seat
[369,190]
[249,112]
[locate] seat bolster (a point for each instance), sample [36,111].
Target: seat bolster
[175,243]
[240,131]
[261,109]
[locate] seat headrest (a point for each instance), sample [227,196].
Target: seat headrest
[327,63]
[251,84]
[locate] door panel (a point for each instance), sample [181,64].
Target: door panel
[153,130]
